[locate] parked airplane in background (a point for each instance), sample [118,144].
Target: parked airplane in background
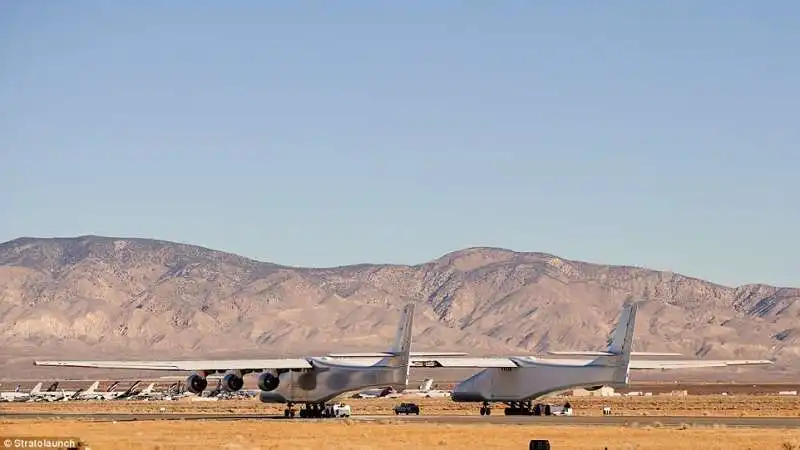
[87,394]
[53,394]
[376,393]
[19,396]
[35,395]
[145,394]
[310,380]
[517,380]
[112,394]
[426,390]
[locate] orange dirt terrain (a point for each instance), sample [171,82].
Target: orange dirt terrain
[657,405]
[347,434]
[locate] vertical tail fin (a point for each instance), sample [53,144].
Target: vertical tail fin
[621,341]
[92,388]
[620,344]
[36,389]
[401,350]
[426,385]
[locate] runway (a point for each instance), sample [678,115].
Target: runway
[666,421]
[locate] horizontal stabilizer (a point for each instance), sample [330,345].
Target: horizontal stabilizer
[384,354]
[593,353]
[477,363]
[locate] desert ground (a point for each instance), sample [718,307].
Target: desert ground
[661,405]
[390,433]
[346,434]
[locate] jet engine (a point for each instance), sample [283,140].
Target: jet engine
[196,383]
[268,382]
[593,388]
[232,382]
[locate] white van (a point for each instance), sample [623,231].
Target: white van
[336,410]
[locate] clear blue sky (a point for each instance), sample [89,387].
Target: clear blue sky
[662,134]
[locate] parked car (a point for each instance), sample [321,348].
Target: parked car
[406,408]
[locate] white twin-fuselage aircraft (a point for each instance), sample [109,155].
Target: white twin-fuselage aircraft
[514,380]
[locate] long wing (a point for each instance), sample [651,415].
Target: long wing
[522,361]
[692,363]
[247,364]
[594,353]
[419,361]
[210,365]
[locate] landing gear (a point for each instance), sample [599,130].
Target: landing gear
[486,409]
[289,412]
[526,409]
[312,411]
[318,410]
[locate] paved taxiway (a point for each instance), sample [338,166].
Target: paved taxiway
[740,422]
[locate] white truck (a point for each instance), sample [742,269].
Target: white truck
[336,410]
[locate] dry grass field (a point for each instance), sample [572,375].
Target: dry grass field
[706,405]
[251,434]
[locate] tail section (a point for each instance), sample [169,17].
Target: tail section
[618,353]
[620,342]
[401,350]
[36,389]
[426,385]
[92,388]
[148,389]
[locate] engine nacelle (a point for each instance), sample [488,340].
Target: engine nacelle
[196,383]
[232,382]
[268,382]
[593,388]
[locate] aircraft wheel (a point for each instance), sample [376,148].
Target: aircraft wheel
[488,411]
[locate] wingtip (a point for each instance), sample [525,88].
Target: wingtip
[749,362]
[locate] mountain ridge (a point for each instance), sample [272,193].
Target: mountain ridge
[94,296]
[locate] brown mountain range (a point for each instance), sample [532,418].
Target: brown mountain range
[116,298]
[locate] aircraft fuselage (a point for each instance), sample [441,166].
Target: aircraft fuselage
[532,382]
[325,381]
